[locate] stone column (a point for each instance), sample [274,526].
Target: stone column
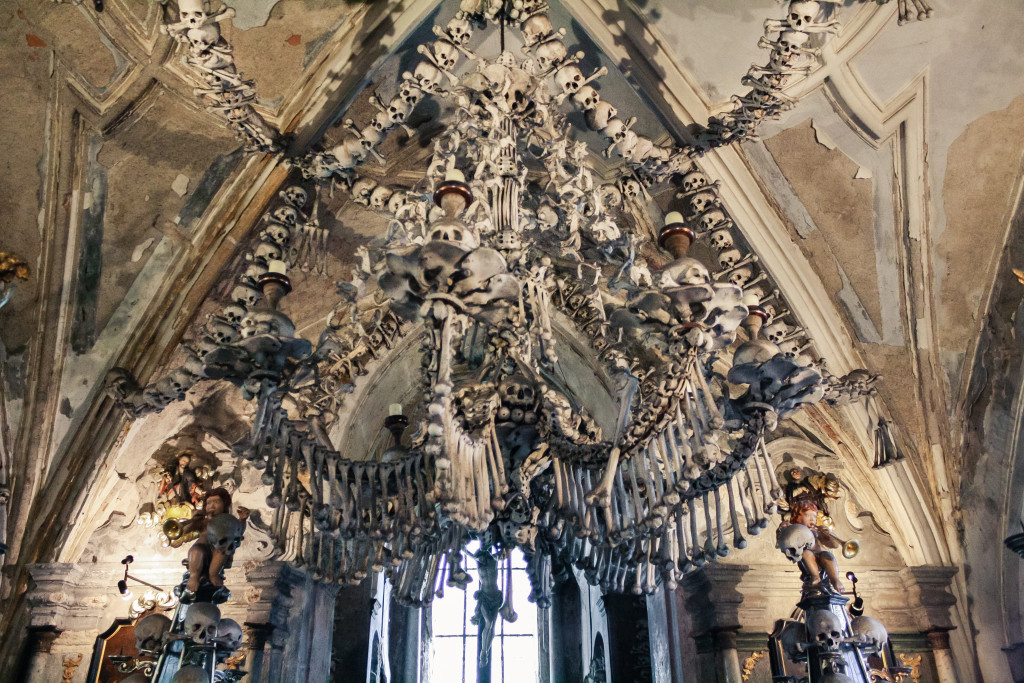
[39,644]
[713,603]
[301,612]
[938,641]
[929,589]
[256,635]
[727,659]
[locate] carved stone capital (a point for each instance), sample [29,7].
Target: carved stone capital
[713,598]
[55,590]
[928,589]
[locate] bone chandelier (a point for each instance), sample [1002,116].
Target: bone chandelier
[569,402]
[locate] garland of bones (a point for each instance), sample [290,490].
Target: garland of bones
[658,505]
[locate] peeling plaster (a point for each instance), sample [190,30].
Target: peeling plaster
[780,189]
[180,184]
[251,13]
[865,329]
[79,383]
[878,163]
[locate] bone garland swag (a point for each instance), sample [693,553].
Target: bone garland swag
[524,278]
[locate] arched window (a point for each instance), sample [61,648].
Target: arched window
[514,655]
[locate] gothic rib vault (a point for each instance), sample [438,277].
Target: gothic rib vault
[64,457]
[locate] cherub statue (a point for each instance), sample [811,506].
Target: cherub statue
[817,558]
[206,563]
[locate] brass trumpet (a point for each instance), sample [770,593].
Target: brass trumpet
[173,528]
[850,547]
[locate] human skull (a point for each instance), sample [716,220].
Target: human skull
[587,98]
[729,258]
[245,295]
[191,674]
[277,233]
[741,276]
[354,146]
[711,218]
[252,273]
[775,332]
[869,631]
[600,115]
[150,631]
[792,42]
[793,540]
[569,78]
[221,331]
[824,627]
[721,239]
[802,13]
[703,201]
[379,198]
[193,12]
[267,252]
[547,217]
[793,350]
[694,180]
[397,201]
[201,621]
[180,379]
[459,30]
[517,392]
[626,145]
[536,28]
[224,532]
[398,109]
[549,53]
[371,136]
[615,130]
[446,54]
[426,75]
[632,189]
[295,196]
[286,215]
[410,93]
[203,37]
[259,322]
[229,634]
[381,122]
[233,313]
[683,272]
[362,189]
[642,148]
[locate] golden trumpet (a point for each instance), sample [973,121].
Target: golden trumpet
[850,548]
[173,529]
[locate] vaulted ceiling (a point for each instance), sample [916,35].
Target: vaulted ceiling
[883,205]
